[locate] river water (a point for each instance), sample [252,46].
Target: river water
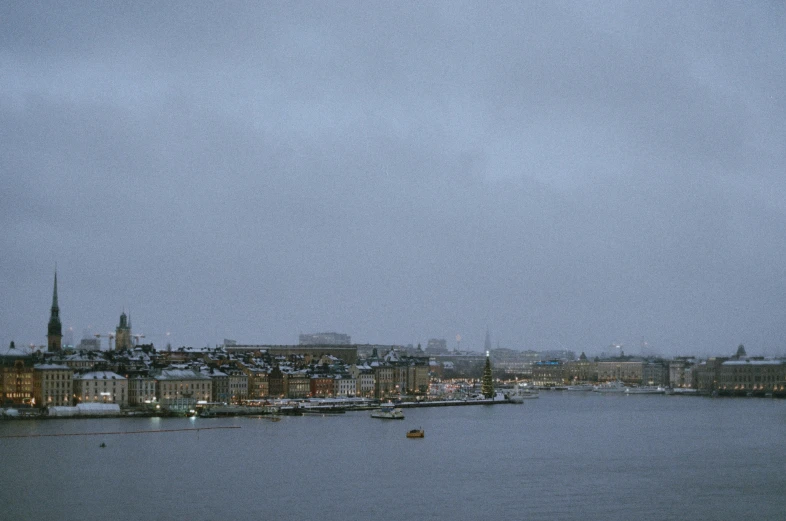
[564,456]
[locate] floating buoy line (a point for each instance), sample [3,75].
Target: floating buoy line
[197,429]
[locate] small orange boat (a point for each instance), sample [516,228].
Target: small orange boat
[415,433]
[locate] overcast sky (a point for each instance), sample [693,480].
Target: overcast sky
[568,175]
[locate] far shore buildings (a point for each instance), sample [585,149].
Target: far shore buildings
[347,353]
[177,380]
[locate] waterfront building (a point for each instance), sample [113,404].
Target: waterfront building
[238,385]
[52,385]
[297,384]
[344,385]
[220,387]
[364,378]
[751,377]
[581,370]
[55,327]
[418,376]
[276,383]
[681,373]
[708,374]
[321,385]
[625,369]
[16,378]
[101,387]
[123,333]
[548,373]
[384,380]
[655,372]
[324,339]
[257,382]
[180,389]
[141,389]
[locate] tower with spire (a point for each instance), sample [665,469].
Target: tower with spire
[123,333]
[55,330]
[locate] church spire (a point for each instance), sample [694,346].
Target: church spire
[55,307]
[55,329]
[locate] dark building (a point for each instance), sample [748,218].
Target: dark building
[55,330]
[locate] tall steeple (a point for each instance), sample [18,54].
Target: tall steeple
[55,329]
[123,333]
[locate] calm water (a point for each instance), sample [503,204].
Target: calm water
[565,456]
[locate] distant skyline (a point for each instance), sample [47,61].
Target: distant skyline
[569,175]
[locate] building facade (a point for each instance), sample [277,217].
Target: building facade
[101,387]
[182,388]
[52,385]
[141,390]
[751,377]
[16,380]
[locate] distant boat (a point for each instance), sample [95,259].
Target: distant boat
[323,410]
[415,433]
[647,389]
[610,387]
[388,411]
[521,393]
[682,391]
[583,387]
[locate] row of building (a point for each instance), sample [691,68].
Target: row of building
[141,376]
[734,375]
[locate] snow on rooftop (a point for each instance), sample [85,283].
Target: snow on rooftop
[99,375]
[753,362]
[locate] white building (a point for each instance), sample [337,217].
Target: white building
[182,388]
[52,385]
[101,387]
[344,385]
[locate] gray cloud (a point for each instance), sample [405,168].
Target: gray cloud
[566,175]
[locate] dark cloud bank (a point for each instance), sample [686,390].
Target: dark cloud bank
[566,175]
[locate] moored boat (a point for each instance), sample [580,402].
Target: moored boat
[610,387]
[388,411]
[646,389]
[521,393]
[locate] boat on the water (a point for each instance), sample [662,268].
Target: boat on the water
[521,393]
[323,410]
[682,391]
[581,387]
[646,389]
[388,411]
[415,433]
[610,387]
